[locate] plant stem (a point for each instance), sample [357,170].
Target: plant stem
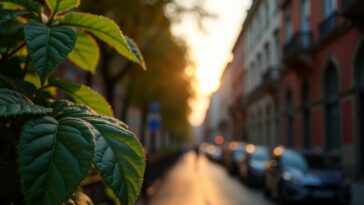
[7,56]
[74,199]
[26,66]
[43,87]
[53,13]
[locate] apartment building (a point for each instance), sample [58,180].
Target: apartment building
[262,68]
[217,120]
[321,90]
[236,106]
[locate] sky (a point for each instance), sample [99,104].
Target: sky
[210,50]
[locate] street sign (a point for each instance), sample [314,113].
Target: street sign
[154,121]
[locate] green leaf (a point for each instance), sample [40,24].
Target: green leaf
[8,15]
[62,5]
[64,108]
[119,158]
[135,50]
[106,30]
[83,95]
[48,46]
[86,53]
[28,4]
[13,103]
[54,157]
[119,155]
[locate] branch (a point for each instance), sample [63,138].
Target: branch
[124,69]
[7,56]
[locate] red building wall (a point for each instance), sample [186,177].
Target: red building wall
[341,50]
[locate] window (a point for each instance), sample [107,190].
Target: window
[266,13]
[329,7]
[259,127]
[268,130]
[306,123]
[289,118]
[305,15]
[267,55]
[359,69]
[276,5]
[258,70]
[260,154]
[332,108]
[251,79]
[287,25]
[293,159]
[277,48]
[316,161]
[359,83]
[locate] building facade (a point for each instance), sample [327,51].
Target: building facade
[224,93]
[236,107]
[262,68]
[321,100]
[217,120]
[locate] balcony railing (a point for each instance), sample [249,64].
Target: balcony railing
[271,74]
[347,4]
[353,10]
[300,43]
[329,24]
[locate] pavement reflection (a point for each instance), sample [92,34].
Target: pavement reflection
[198,181]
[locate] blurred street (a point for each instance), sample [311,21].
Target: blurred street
[201,182]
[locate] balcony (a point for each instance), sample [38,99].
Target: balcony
[270,79]
[272,73]
[329,26]
[353,10]
[268,86]
[298,50]
[237,107]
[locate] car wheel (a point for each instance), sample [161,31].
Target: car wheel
[266,190]
[281,195]
[249,180]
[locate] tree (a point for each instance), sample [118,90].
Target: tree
[165,81]
[148,23]
[48,145]
[139,20]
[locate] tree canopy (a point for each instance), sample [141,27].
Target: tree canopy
[166,56]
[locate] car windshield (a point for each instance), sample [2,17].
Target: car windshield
[306,161]
[238,153]
[294,160]
[260,155]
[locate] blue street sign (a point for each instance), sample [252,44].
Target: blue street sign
[154,122]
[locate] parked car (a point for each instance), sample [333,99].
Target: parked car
[232,154]
[251,168]
[303,176]
[214,153]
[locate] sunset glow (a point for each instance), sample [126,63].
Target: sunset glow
[211,50]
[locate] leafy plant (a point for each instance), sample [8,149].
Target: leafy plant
[48,145]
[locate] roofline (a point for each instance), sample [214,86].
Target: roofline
[251,12]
